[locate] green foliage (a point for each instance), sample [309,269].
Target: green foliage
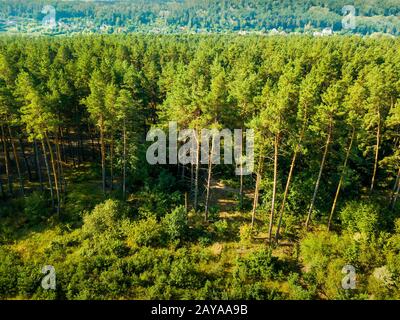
[8,273]
[183,272]
[291,225]
[252,291]
[297,290]
[36,207]
[246,233]
[259,265]
[29,280]
[145,232]
[221,228]
[105,218]
[157,204]
[323,255]
[175,223]
[360,217]
[205,241]
[213,213]
[102,232]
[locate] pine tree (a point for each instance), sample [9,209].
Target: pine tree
[377,106]
[354,106]
[243,88]
[95,103]
[38,120]
[323,124]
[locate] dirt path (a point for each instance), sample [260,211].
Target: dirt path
[226,197]
[223,196]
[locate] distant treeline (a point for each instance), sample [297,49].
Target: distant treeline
[214,15]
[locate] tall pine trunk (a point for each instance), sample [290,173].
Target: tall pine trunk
[183,173]
[70,149]
[285,195]
[255,200]
[272,214]
[191,175]
[341,177]
[196,178]
[256,190]
[16,158]
[7,161]
[55,175]
[81,149]
[103,154]
[209,175]
[1,190]
[241,174]
[26,162]
[397,182]
[124,163]
[289,179]
[378,138]
[46,162]
[321,169]
[112,163]
[38,166]
[396,194]
[63,183]
[61,142]
[93,151]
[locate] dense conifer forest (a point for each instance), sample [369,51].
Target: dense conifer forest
[77,193]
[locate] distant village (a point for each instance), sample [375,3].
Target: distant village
[16,25]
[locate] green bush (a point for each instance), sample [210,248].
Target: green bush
[29,279]
[297,290]
[210,291]
[259,265]
[360,217]
[157,203]
[105,217]
[205,240]
[9,271]
[175,223]
[145,232]
[290,226]
[114,282]
[213,213]
[325,254]
[102,231]
[257,290]
[161,290]
[6,233]
[381,284]
[183,272]
[36,207]
[221,228]
[140,261]
[246,233]
[316,250]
